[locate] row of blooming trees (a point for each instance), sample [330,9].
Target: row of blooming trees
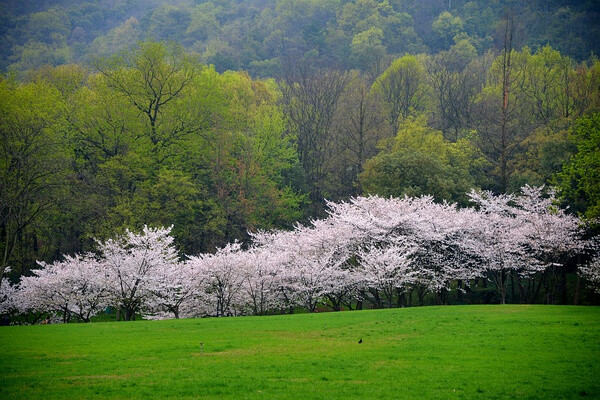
[369,249]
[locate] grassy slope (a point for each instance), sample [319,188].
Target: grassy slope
[430,352]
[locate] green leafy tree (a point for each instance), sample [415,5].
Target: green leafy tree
[169,22]
[49,26]
[359,16]
[34,55]
[583,88]
[579,181]
[446,27]
[204,23]
[419,161]
[153,77]
[250,155]
[403,89]
[399,31]
[545,152]
[549,75]
[32,164]
[504,118]
[209,155]
[454,83]
[368,52]
[122,38]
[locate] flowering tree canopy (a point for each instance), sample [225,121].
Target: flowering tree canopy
[369,248]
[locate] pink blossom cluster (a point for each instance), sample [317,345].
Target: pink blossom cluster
[368,249]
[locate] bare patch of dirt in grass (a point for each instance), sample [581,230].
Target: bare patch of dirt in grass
[301,380]
[59,357]
[356,382]
[85,380]
[111,377]
[228,353]
[512,310]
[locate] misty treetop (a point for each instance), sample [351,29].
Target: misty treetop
[260,35]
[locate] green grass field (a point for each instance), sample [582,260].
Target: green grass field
[541,352]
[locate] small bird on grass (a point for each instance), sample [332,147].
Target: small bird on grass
[359,341]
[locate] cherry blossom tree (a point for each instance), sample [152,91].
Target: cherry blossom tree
[503,239]
[410,243]
[263,279]
[301,265]
[591,272]
[551,235]
[447,247]
[386,269]
[7,297]
[133,264]
[43,292]
[319,269]
[225,274]
[379,232]
[526,235]
[312,263]
[368,248]
[84,277]
[266,278]
[73,287]
[175,290]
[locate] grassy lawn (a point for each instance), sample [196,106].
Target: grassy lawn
[542,352]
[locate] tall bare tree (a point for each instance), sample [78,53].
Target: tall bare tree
[454,90]
[504,118]
[359,124]
[310,98]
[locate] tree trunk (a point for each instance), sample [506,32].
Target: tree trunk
[359,305]
[401,298]
[512,287]
[506,69]
[537,289]
[521,290]
[376,298]
[502,285]
[336,302]
[421,295]
[577,291]
[563,291]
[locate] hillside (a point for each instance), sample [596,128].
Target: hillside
[260,35]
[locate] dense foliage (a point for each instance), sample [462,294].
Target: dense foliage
[260,35]
[154,136]
[114,115]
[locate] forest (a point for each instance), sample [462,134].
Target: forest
[228,119]
[262,36]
